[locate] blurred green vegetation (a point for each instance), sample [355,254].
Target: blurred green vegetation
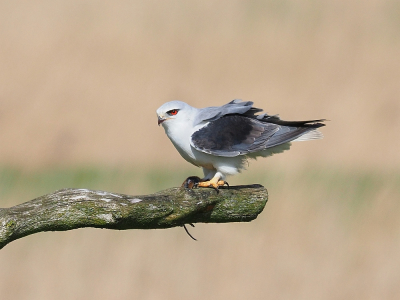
[349,189]
[15,183]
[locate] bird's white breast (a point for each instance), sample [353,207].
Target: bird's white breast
[180,134]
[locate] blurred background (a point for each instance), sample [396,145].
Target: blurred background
[79,85]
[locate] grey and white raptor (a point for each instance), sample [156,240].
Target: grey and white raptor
[220,139]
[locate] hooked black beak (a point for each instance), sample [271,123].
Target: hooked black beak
[160,120]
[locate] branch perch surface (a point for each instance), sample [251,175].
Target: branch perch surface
[76,208]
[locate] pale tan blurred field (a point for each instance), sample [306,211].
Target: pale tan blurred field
[79,85]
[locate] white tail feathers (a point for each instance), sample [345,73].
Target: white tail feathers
[311,135]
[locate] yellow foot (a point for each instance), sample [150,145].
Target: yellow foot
[194,181]
[212,183]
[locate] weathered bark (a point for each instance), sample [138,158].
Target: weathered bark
[76,208]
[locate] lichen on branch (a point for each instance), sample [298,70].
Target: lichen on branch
[69,209]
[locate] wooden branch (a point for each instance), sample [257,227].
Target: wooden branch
[76,208]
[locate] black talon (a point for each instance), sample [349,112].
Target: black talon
[216,189]
[187,231]
[227,184]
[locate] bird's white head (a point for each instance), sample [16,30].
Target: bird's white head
[174,111]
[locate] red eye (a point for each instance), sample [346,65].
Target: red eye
[172,112]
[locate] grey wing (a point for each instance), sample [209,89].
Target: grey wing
[233,135]
[236,106]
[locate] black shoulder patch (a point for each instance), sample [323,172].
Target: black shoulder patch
[223,134]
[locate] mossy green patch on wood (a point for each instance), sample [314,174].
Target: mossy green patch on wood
[76,208]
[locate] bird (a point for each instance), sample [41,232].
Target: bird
[221,139]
